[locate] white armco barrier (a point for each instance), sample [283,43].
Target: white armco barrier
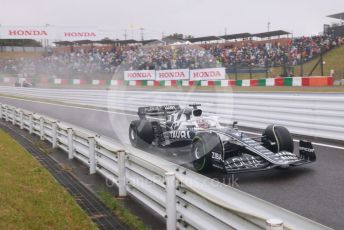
[186,199]
[316,115]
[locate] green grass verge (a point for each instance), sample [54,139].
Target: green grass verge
[30,198]
[333,60]
[132,221]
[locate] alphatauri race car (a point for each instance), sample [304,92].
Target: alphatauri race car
[213,145]
[22,84]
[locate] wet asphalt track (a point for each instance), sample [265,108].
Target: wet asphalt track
[315,191]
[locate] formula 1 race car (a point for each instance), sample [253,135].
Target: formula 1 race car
[212,145]
[22,84]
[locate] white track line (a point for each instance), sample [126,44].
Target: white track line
[134,115]
[69,106]
[314,143]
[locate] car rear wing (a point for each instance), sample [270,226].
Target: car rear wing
[162,110]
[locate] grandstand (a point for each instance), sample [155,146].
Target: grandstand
[337,29]
[241,54]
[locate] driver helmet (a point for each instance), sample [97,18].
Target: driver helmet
[202,123]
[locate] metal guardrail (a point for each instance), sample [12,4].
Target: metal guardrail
[318,115]
[186,199]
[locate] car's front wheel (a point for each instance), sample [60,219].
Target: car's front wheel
[201,158]
[277,139]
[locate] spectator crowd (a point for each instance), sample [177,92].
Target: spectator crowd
[230,55]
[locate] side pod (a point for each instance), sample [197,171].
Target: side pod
[307,151]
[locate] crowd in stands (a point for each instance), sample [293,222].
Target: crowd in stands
[230,55]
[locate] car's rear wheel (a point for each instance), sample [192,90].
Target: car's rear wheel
[201,158]
[141,133]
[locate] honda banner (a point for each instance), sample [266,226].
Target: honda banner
[26,32]
[139,75]
[175,74]
[77,33]
[50,32]
[208,74]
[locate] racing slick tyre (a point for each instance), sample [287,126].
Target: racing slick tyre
[141,133]
[201,157]
[277,139]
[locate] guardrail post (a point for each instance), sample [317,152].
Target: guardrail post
[13,116]
[171,209]
[92,154]
[30,123]
[41,127]
[54,135]
[21,119]
[70,144]
[274,224]
[122,191]
[6,113]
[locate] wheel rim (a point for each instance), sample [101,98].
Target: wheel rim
[198,153]
[132,134]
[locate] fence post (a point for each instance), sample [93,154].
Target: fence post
[21,118]
[70,144]
[41,127]
[322,60]
[250,68]
[274,224]
[121,174]
[30,123]
[0,111]
[92,154]
[13,116]
[267,68]
[54,135]
[171,209]
[301,69]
